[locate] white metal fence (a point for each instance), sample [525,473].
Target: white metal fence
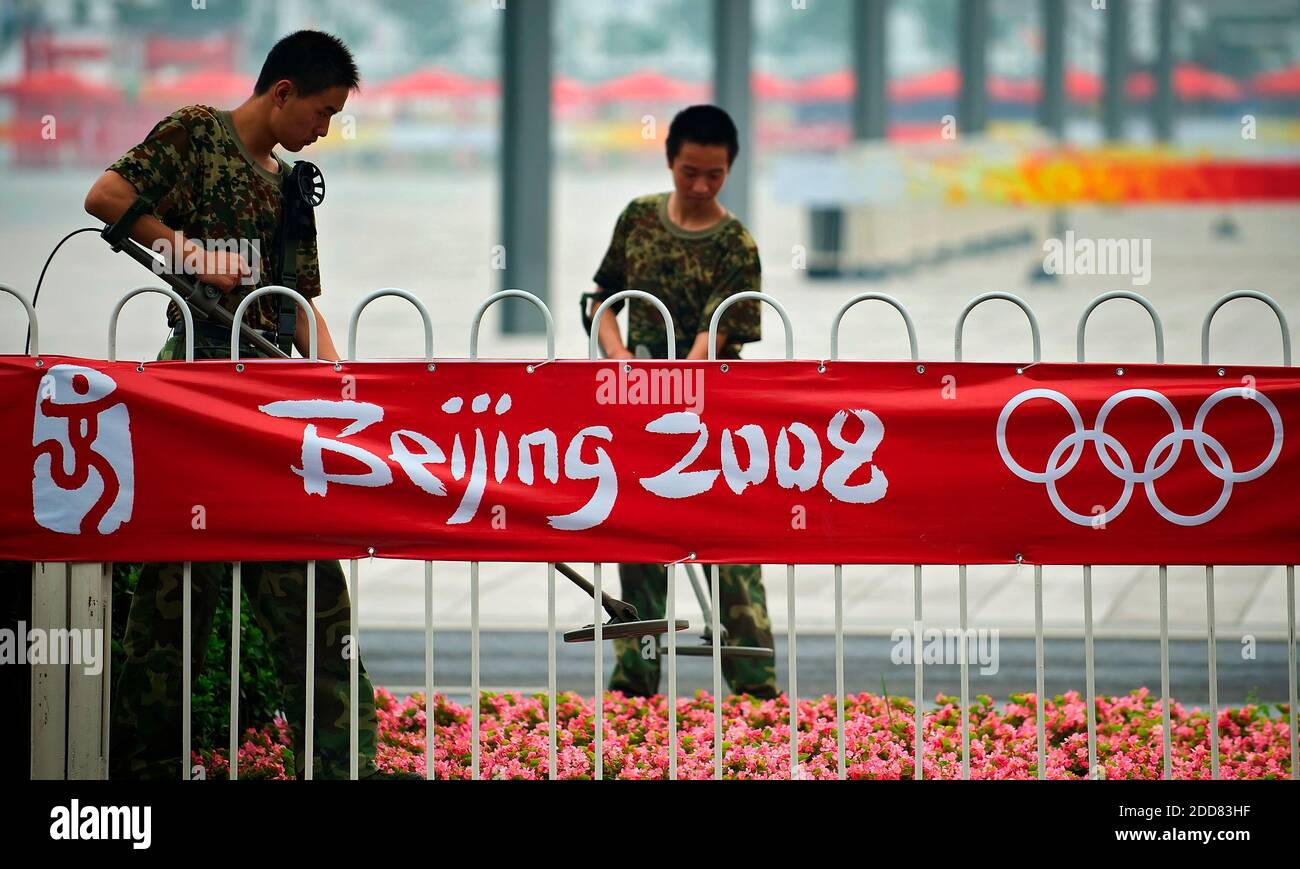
[70,711]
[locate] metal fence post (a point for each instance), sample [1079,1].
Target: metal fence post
[302,303]
[1039,666]
[842,766]
[793,696]
[1080,352]
[430,707]
[169,293]
[235,582]
[1209,568]
[355,318]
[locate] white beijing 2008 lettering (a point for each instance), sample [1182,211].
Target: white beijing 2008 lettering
[677,482]
[416,454]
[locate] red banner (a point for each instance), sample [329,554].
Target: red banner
[754,461]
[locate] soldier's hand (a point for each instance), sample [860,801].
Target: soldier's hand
[622,354]
[223,270]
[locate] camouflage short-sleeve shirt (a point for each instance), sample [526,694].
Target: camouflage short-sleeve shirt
[691,272]
[203,182]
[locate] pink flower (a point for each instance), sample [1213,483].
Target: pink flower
[879,741]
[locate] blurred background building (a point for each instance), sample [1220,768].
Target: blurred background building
[432,67]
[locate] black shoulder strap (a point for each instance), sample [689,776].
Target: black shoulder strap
[290,227]
[301,191]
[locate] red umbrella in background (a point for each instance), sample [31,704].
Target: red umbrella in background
[1081,86]
[566,92]
[941,84]
[1279,83]
[1014,90]
[766,86]
[650,87]
[1140,86]
[830,87]
[1192,83]
[209,86]
[433,82]
[82,108]
[59,85]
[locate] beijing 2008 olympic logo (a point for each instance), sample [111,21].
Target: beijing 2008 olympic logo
[84,473]
[1161,458]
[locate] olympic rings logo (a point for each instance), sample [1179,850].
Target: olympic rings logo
[1118,462]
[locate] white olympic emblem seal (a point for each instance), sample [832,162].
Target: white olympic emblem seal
[1109,450]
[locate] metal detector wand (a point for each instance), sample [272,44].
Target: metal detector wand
[204,300]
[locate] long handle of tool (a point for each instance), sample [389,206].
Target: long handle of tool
[616,608]
[700,596]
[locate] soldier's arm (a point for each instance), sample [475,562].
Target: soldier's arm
[700,349]
[109,198]
[610,337]
[324,341]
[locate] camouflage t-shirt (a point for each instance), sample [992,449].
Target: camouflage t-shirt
[203,182]
[690,271]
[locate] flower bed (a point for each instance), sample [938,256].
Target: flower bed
[1253,744]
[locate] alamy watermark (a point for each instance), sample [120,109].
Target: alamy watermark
[77,646]
[75,821]
[192,259]
[936,646]
[1099,256]
[638,384]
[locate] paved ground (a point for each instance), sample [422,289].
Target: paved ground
[516,660]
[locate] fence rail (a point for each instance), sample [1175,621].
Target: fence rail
[82,705]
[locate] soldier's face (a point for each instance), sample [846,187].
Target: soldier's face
[699,171]
[298,121]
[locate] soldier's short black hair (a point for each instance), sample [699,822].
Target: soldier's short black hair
[703,125]
[312,60]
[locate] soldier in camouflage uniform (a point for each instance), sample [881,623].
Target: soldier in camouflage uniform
[685,249]
[147,697]
[201,180]
[211,176]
